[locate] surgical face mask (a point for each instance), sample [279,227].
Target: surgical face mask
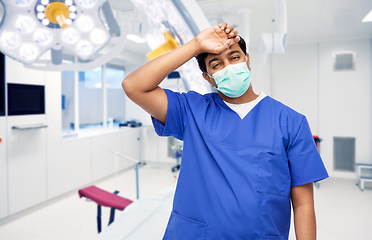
[234,80]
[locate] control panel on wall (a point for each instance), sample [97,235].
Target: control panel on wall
[2,85]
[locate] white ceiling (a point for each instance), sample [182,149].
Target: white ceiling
[308,20]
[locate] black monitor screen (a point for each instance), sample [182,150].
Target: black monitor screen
[2,85]
[25,99]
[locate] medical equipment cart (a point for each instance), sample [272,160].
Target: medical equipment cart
[360,180]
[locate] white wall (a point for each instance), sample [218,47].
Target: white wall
[26,155]
[335,103]
[344,99]
[370,98]
[261,73]
[3,170]
[295,80]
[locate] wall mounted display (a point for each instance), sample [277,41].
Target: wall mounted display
[2,85]
[25,99]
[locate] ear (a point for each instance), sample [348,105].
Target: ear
[248,62]
[209,79]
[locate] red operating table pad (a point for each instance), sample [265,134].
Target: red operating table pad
[104,198]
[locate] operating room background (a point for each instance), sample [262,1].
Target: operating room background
[38,167]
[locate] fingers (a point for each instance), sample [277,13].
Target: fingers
[233,34]
[229,30]
[236,39]
[223,26]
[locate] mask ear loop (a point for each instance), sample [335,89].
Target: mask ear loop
[210,78]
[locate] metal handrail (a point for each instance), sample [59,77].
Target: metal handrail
[31,126]
[123,156]
[132,160]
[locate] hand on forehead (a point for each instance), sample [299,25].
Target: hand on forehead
[229,56]
[216,39]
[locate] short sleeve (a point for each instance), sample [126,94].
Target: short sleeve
[177,115]
[305,162]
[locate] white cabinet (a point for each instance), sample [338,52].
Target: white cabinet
[149,144]
[131,145]
[3,170]
[125,142]
[102,160]
[153,147]
[69,165]
[26,163]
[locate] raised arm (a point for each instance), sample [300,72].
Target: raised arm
[142,85]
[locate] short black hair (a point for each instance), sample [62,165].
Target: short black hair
[201,57]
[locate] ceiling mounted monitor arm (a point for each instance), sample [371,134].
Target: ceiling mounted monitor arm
[186,16]
[280,36]
[276,42]
[112,24]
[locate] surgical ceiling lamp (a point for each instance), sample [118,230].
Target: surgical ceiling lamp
[31,27]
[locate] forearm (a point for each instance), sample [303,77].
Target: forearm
[303,208]
[305,222]
[149,76]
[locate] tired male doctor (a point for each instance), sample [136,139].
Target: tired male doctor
[246,157]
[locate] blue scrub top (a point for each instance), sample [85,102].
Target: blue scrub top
[236,174]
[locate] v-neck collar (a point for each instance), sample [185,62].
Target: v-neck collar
[226,125]
[222,103]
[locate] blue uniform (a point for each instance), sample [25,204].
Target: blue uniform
[236,174]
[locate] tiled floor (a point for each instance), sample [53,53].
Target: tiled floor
[343,211]
[74,218]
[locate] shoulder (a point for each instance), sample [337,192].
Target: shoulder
[191,97]
[196,95]
[284,109]
[287,116]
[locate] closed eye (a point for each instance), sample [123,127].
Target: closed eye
[235,57]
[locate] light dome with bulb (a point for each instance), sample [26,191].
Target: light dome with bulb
[29,28]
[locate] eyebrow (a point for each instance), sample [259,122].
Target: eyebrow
[232,52]
[211,60]
[228,55]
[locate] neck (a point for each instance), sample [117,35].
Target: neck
[248,96]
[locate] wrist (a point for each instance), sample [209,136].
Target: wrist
[195,45]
